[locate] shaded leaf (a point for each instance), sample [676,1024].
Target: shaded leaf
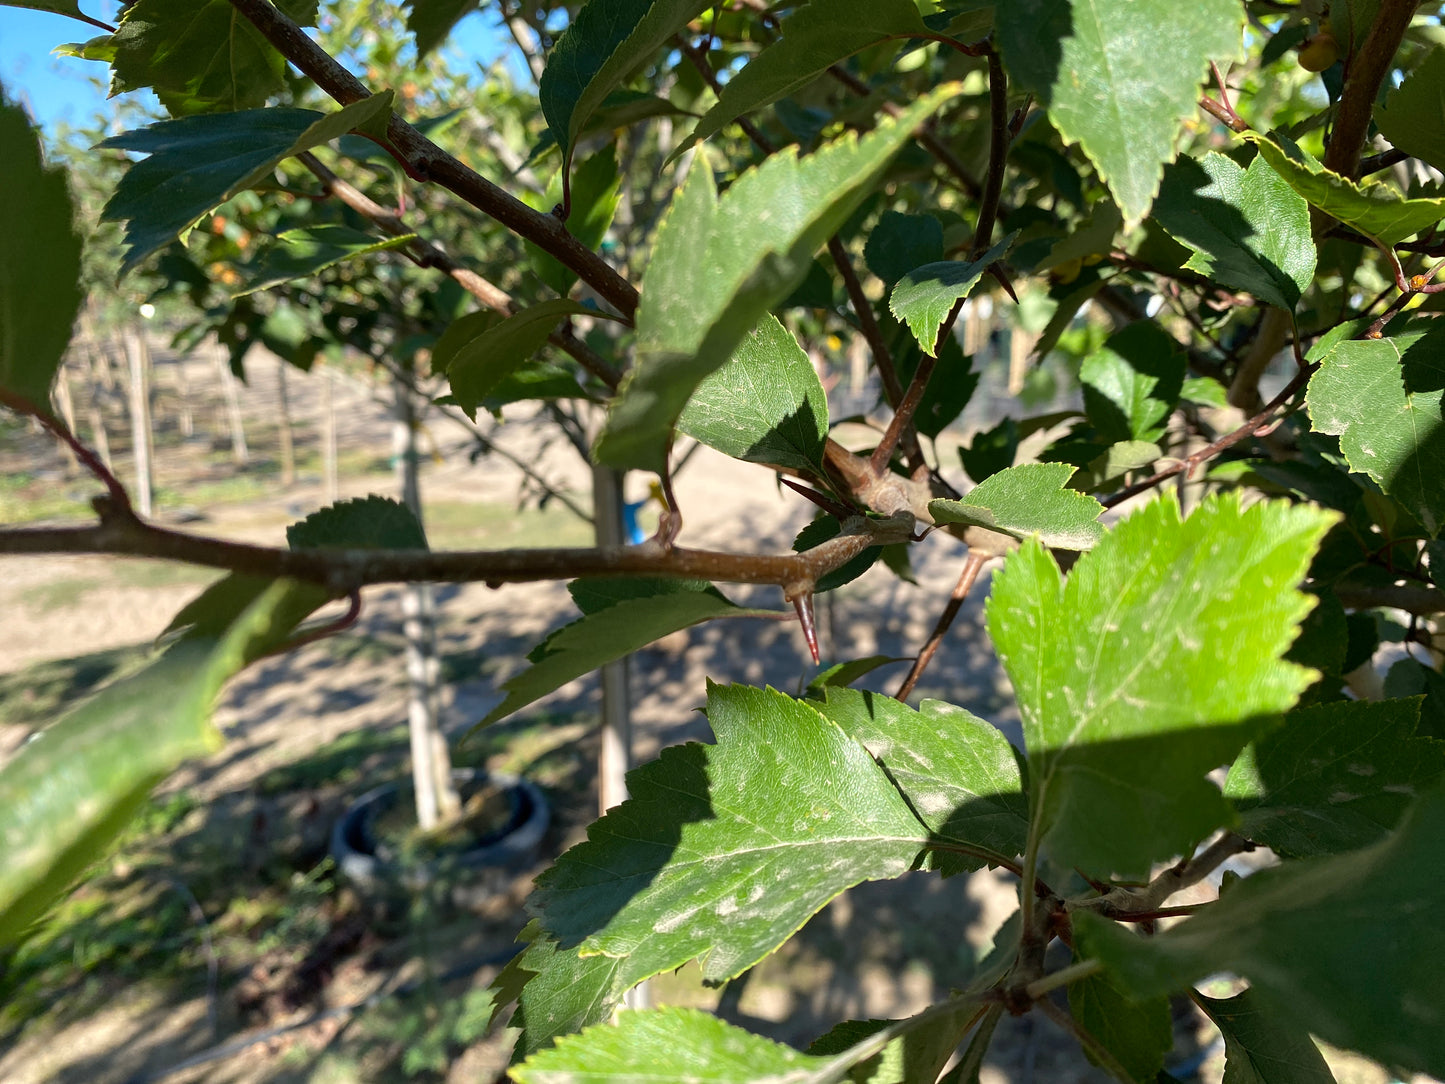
[1143,671]
[197,163]
[1248,228]
[610,633]
[595,593]
[1413,116]
[565,993]
[719,264]
[919,1052]
[1260,1048]
[1376,210]
[1132,382]
[843,674]
[58,7]
[1122,103]
[1394,435]
[959,773]
[991,451]
[1347,947]
[1334,777]
[822,527]
[1409,677]
[430,21]
[691,866]
[924,297]
[594,191]
[949,389]
[1137,1035]
[361,523]
[1031,499]
[39,263]
[900,242]
[301,253]
[765,405]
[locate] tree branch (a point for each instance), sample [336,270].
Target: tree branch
[972,564]
[1123,903]
[1366,72]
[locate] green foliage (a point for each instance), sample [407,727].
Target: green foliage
[924,297]
[1132,383]
[1413,116]
[301,253]
[1260,1048]
[1030,500]
[361,523]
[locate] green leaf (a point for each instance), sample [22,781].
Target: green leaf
[693,866]
[922,1048]
[200,56]
[1335,777]
[1413,116]
[432,20]
[644,1047]
[924,297]
[1132,382]
[58,7]
[197,163]
[1376,210]
[814,38]
[39,263]
[822,527]
[606,42]
[1347,948]
[949,389]
[566,993]
[476,366]
[373,523]
[301,253]
[1137,1035]
[900,242]
[1120,673]
[111,751]
[1029,500]
[843,674]
[1248,228]
[1122,101]
[992,450]
[1394,435]
[1409,677]
[959,773]
[617,630]
[595,192]
[719,264]
[593,594]
[766,405]
[1260,1048]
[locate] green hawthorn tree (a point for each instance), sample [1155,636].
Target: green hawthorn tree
[1232,256]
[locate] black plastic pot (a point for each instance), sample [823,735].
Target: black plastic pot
[393,883]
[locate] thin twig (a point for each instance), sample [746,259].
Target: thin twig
[1082,969]
[1123,903]
[867,322]
[972,564]
[118,496]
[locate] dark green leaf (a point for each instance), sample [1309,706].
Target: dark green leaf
[1394,435]
[921,1050]
[1118,671]
[1347,947]
[58,7]
[823,527]
[593,594]
[1133,382]
[1413,116]
[200,56]
[606,42]
[1031,499]
[1411,678]
[900,242]
[1123,103]
[693,866]
[814,38]
[924,297]
[949,388]
[1137,1035]
[565,993]
[1376,210]
[992,450]
[39,263]
[197,163]
[1261,1048]
[959,773]
[719,264]
[373,523]
[301,253]
[843,674]
[432,20]
[595,187]
[766,405]
[1248,228]
[1335,777]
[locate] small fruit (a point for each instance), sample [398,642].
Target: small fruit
[1318,52]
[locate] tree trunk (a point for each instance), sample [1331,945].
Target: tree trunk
[437,800]
[137,354]
[240,454]
[328,436]
[288,445]
[183,390]
[67,413]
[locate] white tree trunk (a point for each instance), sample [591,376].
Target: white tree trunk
[137,353]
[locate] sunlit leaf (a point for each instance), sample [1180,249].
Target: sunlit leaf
[1025,501]
[924,297]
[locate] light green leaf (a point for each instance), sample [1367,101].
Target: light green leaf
[39,263]
[900,242]
[58,7]
[618,630]
[112,751]
[959,773]
[692,866]
[1132,382]
[1335,777]
[1393,434]
[606,42]
[1376,210]
[1347,948]
[361,523]
[1413,116]
[197,163]
[1144,671]
[430,21]
[1260,1048]
[301,253]
[1248,228]
[814,38]
[924,297]
[595,192]
[719,264]
[200,56]
[766,405]
[1123,103]
[477,366]
[1028,500]
[1137,1035]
